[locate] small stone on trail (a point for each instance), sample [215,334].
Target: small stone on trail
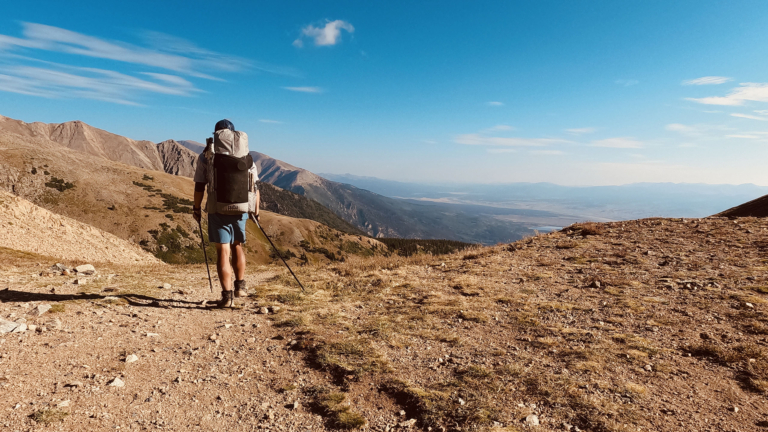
[117,382]
[275,309]
[213,337]
[407,423]
[166,286]
[749,305]
[80,281]
[648,368]
[131,358]
[74,384]
[63,404]
[40,309]
[152,335]
[7,326]
[595,284]
[295,405]
[85,269]
[461,401]
[735,409]
[32,327]
[532,420]
[20,329]
[402,413]
[263,310]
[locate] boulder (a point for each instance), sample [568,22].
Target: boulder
[85,269]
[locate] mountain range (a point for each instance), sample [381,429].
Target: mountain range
[146,207]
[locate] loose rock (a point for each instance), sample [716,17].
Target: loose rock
[40,309]
[532,420]
[7,326]
[131,358]
[85,269]
[117,382]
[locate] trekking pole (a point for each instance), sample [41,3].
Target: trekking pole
[277,252]
[205,254]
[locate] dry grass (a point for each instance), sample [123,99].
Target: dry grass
[48,416]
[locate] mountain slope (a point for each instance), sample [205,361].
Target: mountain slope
[150,208]
[294,205]
[27,227]
[177,160]
[755,208]
[381,216]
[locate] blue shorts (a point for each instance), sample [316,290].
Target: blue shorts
[226,228]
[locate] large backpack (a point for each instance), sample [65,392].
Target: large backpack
[231,174]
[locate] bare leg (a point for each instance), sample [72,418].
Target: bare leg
[223,265]
[239,261]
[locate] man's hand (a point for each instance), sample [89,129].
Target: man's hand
[197,213]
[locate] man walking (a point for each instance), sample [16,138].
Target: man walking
[227,171]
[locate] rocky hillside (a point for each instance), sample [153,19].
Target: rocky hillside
[294,205]
[177,159]
[755,208]
[648,325]
[29,228]
[168,156]
[149,208]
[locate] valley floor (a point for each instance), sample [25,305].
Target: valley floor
[655,324]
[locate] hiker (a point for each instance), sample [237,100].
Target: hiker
[226,170]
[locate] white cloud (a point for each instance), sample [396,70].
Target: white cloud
[707,80]
[270,121]
[762,112]
[627,82]
[324,36]
[175,54]
[547,152]
[305,89]
[748,116]
[618,142]
[495,103]
[61,81]
[429,141]
[501,150]
[581,131]
[743,136]
[478,139]
[756,92]
[498,128]
[698,130]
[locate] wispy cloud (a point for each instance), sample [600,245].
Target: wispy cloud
[698,130]
[495,103]
[328,35]
[24,70]
[618,142]
[707,80]
[305,89]
[501,150]
[627,82]
[429,141]
[547,152]
[270,121]
[176,54]
[756,92]
[56,81]
[479,139]
[749,116]
[744,136]
[499,128]
[581,131]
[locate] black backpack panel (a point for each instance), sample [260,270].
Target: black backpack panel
[231,178]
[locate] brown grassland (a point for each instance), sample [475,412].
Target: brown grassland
[657,324]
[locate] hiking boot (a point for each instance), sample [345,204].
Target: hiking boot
[227,300]
[240,290]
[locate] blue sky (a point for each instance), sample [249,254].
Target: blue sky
[570,92]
